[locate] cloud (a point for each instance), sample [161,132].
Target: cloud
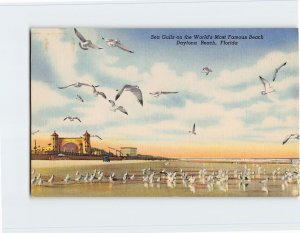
[61,54]
[227,107]
[264,67]
[40,92]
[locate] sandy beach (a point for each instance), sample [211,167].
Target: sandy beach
[80,163]
[255,185]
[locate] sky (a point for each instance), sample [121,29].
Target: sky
[233,119]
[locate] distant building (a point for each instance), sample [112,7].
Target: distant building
[80,145]
[128,151]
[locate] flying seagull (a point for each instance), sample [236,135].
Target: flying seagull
[134,90]
[79,98]
[72,118]
[85,44]
[96,136]
[33,133]
[267,86]
[193,130]
[96,93]
[116,43]
[291,136]
[78,84]
[277,69]
[206,70]
[115,108]
[158,93]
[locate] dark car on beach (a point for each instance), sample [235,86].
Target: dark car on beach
[106,159]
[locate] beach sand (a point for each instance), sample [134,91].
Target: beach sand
[137,187]
[79,163]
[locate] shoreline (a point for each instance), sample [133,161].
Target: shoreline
[64,163]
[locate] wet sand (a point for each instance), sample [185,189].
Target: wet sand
[137,187]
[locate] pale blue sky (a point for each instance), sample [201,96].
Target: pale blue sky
[183,64]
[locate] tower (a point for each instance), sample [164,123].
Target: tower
[55,144]
[87,143]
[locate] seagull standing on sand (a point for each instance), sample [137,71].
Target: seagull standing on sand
[268,88]
[72,118]
[100,176]
[277,69]
[115,108]
[86,178]
[116,43]
[67,179]
[78,177]
[77,84]
[158,93]
[206,70]
[51,180]
[193,130]
[40,181]
[33,180]
[97,93]
[85,44]
[135,90]
[291,136]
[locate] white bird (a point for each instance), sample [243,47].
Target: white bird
[125,176]
[33,133]
[265,181]
[67,179]
[145,178]
[267,86]
[79,98]
[151,177]
[192,179]
[40,182]
[77,173]
[206,70]
[78,177]
[77,84]
[158,93]
[116,43]
[51,180]
[33,180]
[132,177]
[158,179]
[96,136]
[111,179]
[86,178]
[135,90]
[72,118]
[291,136]
[92,177]
[85,44]
[97,93]
[277,69]
[32,171]
[115,108]
[38,176]
[100,177]
[193,130]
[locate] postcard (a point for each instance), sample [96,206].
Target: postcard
[128,112]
